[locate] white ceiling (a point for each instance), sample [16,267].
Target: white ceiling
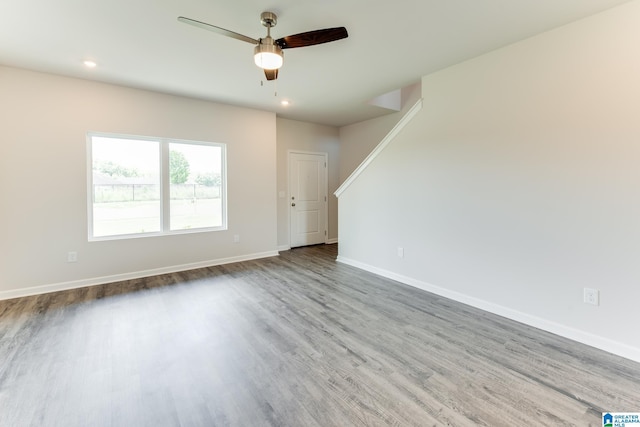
[139,43]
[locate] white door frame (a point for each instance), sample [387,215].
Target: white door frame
[326,189]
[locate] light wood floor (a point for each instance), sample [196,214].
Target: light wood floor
[295,340]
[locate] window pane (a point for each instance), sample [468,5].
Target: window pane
[126,186]
[195,175]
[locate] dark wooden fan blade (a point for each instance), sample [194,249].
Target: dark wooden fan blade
[218,30]
[311,38]
[271,74]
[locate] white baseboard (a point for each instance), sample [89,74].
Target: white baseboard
[55,287]
[332,241]
[602,343]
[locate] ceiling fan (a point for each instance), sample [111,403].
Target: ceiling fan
[268,53]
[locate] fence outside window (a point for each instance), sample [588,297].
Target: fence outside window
[118,193]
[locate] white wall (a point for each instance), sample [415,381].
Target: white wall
[296,135]
[359,139]
[43,180]
[518,184]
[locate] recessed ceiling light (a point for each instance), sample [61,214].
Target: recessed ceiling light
[284,102]
[89,64]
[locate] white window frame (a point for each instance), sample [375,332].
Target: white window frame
[163,146]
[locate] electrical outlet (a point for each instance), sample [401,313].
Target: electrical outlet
[400,252]
[591,296]
[236,238]
[72,256]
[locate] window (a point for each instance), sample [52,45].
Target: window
[141,186]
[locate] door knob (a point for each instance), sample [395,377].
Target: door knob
[293,204]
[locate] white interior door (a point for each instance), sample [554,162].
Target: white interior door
[308,198]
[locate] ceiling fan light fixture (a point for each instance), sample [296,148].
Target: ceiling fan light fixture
[268,53]
[268,56]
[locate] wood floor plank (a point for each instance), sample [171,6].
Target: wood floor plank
[294,340]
